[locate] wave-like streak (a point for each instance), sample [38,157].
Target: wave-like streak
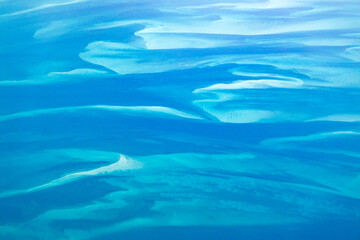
[123,164]
[339,118]
[295,142]
[137,59]
[317,136]
[123,109]
[57,77]
[215,104]
[253,84]
[41,7]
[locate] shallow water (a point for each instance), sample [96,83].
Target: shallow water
[185,119]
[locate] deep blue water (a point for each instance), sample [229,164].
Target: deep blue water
[160,119]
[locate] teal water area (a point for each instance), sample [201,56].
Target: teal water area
[179,120]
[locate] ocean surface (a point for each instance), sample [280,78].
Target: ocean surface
[191,119]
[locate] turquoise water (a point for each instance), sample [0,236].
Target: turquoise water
[185,119]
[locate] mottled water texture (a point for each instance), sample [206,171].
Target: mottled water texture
[161,119]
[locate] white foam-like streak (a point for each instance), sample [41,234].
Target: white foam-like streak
[178,41]
[339,118]
[41,7]
[353,53]
[79,72]
[237,72]
[149,109]
[270,4]
[293,142]
[241,115]
[122,23]
[56,77]
[132,59]
[314,68]
[217,97]
[317,136]
[56,29]
[230,25]
[253,84]
[123,164]
[124,109]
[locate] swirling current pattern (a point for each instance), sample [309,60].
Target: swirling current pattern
[160,119]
